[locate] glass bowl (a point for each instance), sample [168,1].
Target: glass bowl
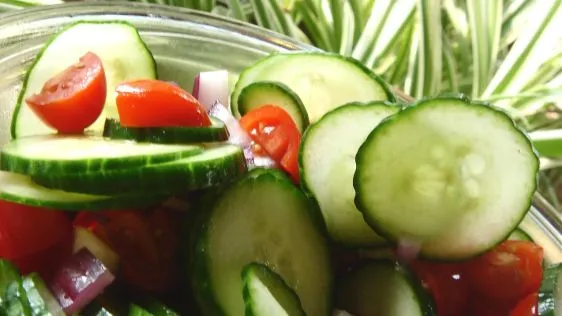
[183,42]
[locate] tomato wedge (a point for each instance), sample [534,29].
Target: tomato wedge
[155,103]
[275,132]
[34,239]
[74,99]
[527,306]
[147,244]
[509,272]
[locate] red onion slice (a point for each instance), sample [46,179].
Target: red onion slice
[408,249]
[210,86]
[79,281]
[240,137]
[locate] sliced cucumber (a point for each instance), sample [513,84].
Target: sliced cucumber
[167,135]
[323,81]
[21,189]
[8,274]
[118,44]
[382,288]
[136,310]
[550,292]
[16,300]
[59,155]
[444,171]
[85,238]
[41,301]
[261,93]
[262,218]
[520,234]
[327,166]
[215,166]
[266,293]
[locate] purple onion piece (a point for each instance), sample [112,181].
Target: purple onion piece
[408,249]
[79,281]
[195,91]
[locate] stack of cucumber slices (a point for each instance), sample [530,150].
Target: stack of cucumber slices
[451,176]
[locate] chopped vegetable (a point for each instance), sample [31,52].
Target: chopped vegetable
[210,87]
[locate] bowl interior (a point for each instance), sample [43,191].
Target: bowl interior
[183,42]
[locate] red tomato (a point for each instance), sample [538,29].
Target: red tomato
[147,245]
[74,99]
[447,284]
[483,306]
[527,306]
[510,271]
[273,129]
[155,103]
[34,239]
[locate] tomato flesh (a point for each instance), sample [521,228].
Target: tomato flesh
[527,306]
[74,99]
[155,103]
[34,239]
[275,132]
[510,271]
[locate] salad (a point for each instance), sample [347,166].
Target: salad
[307,188]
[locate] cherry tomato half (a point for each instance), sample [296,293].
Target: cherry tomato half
[146,242]
[155,103]
[527,306]
[34,239]
[273,129]
[74,99]
[510,271]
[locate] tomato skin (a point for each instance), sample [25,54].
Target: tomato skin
[509,272]
[155,103]
[74,99]
[275,132]
[147,245]
[447,284]
[527,306]
[33,238]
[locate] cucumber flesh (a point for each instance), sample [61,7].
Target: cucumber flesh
[167,135]
[520,234]
[21,189]
[16,299]
[216,165]
[261,218]
[323,81]
[266,294]
[382,288]
[327,166]
[262,93]
[124,57]
[58,154]
[444,171]
[41,301]
[550,293]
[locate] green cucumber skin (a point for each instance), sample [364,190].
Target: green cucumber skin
[8,274]
[302,120]
[16,299]
[135,310]
[520,234]
[163,178]
[167,135]
[427,302]
[362,158]
[237,89]
[42,302]
[197,252]
[13,163]
[306,187]
[20,100]
[250,311]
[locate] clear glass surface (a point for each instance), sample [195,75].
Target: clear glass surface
[183,42]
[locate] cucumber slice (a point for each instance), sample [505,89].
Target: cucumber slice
[16,299]
[520,234]
[41,301]
[58,154]
[444,171]
[8,274]
[136,310]
[118,44]
[550,293]
[215,166]
[167,135]
[21,189]
[382,288]
[262,218]
[266,294]
[261,93]
[323,81]
[327,166]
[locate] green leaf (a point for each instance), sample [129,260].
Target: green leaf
[535,46]
[348,30]
[548,142]
[318,35]
[430,50]
[10,5]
